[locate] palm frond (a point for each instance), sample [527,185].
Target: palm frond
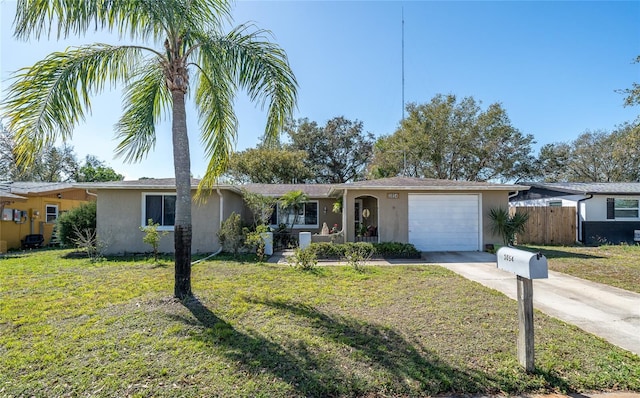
[506,225]
[38,17]
[214,99]
[260,67]
[138,18]
[146,99]
[238,59]
[46,101]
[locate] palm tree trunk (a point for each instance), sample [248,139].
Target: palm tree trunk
[182,167]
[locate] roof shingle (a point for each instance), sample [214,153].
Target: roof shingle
[586,188]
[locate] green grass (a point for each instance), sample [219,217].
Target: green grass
[617,266]
[69,327]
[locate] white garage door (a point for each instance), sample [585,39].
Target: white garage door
[444,222]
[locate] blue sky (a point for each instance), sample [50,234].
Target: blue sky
[554,66]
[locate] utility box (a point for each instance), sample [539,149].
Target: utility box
[304,239]
[267,237]
[636,235]
[523,263]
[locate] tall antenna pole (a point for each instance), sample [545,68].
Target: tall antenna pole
[403,63]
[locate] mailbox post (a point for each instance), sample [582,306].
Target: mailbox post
[527,266]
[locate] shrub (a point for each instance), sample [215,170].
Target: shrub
[78,220]
[387,249]
[231,235]
[87,241]
[327,249]
[261,206]
[304,259]
[396,249]
[255,240]
[357,254]
[152,236]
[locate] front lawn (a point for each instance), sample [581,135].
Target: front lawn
[617,266]
[69,327]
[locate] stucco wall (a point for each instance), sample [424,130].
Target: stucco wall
[391,213]
[329,217]
[491,200]
[119,219]
[233,203]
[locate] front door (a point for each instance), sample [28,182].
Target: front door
[357,216]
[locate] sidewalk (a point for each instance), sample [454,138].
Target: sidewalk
[607,312]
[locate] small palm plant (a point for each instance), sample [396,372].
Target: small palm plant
[293,201]
[507,225]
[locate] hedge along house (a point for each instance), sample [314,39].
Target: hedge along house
[33,208]
[606,212]
[434,215]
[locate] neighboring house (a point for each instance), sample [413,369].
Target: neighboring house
[33,207]
[434,215]
[607,212]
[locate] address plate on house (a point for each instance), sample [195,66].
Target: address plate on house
[393,195]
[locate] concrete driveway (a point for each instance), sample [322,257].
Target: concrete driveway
[608,312]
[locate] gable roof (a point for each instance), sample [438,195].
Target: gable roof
[9,197]
[432,184]
[588,188]
[34,188]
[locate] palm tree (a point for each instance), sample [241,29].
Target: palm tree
[293,201]
[47,100]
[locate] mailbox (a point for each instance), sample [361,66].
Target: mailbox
[523,263]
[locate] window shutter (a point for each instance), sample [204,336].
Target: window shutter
[611,208]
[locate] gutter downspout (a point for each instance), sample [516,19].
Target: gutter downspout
[578,223]
[95,195]
[345,205]
[221,215]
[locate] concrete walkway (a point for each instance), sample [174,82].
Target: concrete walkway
[608,312]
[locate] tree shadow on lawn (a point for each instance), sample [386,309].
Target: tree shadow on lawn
[381,360]
[559,253]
